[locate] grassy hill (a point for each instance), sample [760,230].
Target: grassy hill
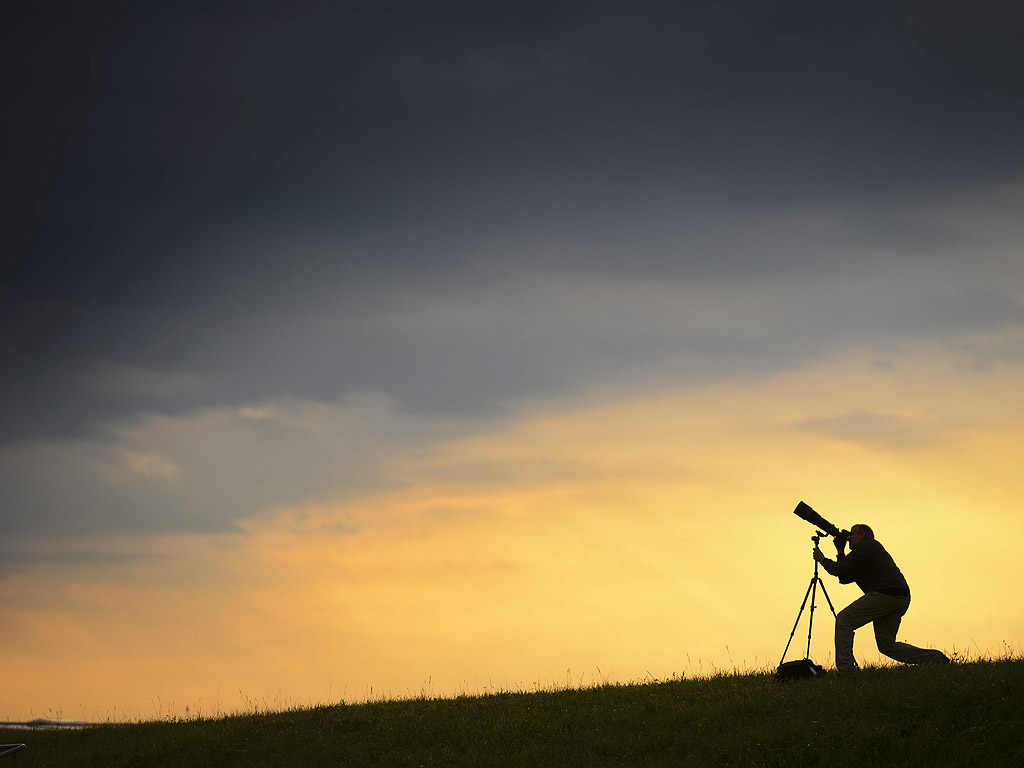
[961,715]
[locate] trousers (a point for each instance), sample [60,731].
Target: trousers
[885,612]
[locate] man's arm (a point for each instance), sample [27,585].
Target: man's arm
[840,542]
[846,567]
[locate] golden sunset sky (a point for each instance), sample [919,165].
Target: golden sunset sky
[356,351]
[611,538]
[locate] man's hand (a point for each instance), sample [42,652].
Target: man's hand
[840,542]
[818,555]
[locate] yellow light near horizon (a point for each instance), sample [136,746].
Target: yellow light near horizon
[614,540]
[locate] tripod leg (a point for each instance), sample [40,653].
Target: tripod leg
[827,598]
[810,622]
[797,622]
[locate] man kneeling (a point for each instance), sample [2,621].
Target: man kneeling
[886,598]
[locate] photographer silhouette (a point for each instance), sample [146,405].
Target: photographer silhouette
[886,599]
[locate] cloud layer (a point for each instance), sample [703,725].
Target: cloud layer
[266,255]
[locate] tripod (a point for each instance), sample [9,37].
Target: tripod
[812,590]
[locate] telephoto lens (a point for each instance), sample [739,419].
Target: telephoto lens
[806,512]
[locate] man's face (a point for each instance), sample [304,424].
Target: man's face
[856,537]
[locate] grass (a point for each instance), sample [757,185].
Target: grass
[960,715]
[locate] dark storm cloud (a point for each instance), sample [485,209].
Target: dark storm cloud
[218,195]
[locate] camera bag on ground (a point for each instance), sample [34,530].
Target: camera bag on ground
[798,670]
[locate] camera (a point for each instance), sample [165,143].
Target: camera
[806,512]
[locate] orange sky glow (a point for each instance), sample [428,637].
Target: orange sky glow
[617,537]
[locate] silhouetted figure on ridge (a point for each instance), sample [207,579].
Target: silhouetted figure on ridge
[886,598]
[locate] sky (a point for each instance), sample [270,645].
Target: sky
[389,349]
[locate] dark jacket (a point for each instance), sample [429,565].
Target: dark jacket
[871,567]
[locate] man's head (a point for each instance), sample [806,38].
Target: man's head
[859,533]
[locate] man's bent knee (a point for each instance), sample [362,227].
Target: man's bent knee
[845,620]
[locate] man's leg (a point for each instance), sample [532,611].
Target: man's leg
[886,627]
[862,611]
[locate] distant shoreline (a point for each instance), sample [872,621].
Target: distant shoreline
[41,723]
